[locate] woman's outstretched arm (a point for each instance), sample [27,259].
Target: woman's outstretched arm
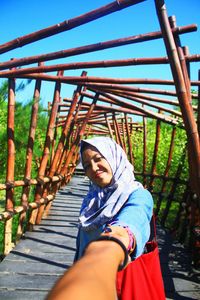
[93,276]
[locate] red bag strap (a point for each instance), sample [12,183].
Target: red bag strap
[154,226]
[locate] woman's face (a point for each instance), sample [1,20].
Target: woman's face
[96,167]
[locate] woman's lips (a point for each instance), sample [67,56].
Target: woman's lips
[98,174]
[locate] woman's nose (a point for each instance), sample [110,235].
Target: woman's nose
[94,166]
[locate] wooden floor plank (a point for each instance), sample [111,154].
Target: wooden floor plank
[22,294]
[34,265]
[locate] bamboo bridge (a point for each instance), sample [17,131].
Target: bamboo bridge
[34,265]
[39,218]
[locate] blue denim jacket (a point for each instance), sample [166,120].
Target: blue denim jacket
[136,214]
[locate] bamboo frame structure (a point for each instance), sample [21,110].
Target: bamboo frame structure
[107,106]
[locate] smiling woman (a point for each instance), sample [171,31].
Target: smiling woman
[113,196]
[96,167]
[116,213]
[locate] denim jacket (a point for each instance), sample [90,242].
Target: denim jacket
[136,214]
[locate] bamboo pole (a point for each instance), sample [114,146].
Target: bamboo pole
[18,183]
[172,21]
[29,155]
[73,128]
[46,152]
[44,189]
[109,126]
[114,100]
[105,109]
[100,128]
[136,99]
[7,215]
[69,119]
[130,148]
[93,47]
[124,133]
[55,136]
[91,79]
[166,172]
[157,176]
[187,112]
[84,65]
[10,165]
[67,24]
[74,146]
[115,129]
[144,151]
[198,112]
[107,82]
[119,137]
[155,155]
[152,99]
[110,87]
[94,64]
[100,86]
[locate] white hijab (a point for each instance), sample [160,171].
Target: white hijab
[102,204]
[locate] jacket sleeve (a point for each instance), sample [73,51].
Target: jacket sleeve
[136,214]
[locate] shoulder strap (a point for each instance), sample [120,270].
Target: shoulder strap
[154,227]
[153,235]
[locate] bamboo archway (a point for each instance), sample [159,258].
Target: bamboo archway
[108,106]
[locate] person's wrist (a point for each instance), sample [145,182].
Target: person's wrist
[105,245]
[106,249]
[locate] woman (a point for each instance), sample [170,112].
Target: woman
[116,203]
[114,226]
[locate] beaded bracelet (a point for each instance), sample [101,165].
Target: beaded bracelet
[113,239]
[132,243]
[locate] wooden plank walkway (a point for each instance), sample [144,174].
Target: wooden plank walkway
[31,269]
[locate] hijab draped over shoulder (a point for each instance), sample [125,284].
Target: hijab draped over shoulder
[101,204]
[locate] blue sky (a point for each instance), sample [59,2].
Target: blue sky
[21,17]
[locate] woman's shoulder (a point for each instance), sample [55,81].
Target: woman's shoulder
[141,194]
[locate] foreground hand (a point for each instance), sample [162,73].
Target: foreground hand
[118,232]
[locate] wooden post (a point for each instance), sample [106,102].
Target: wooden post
[166,172]
[46,154]
[198,112]
[10,165]
[74,146]
[29,155]
[144,151]
[65,130]
[181,89]
[155,155]
[130,148]
[109,126]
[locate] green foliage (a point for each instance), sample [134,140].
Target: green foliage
[179,160]
[163,149]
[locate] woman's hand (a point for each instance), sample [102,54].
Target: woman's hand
[119,232]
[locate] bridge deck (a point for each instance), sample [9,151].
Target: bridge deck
[31,269]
